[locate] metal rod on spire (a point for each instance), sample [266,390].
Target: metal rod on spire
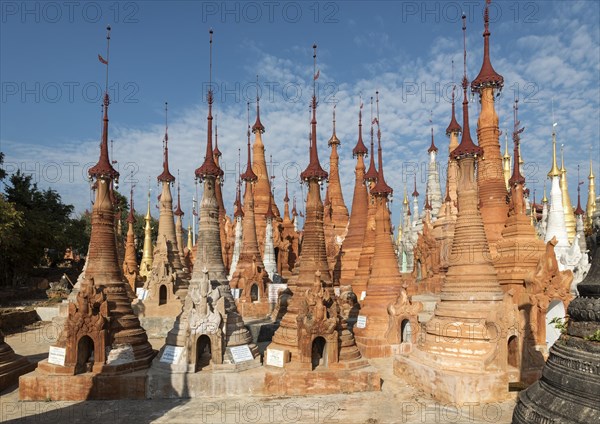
[107,55]
[210,31]
[257,98]
[315,75]
[464,28]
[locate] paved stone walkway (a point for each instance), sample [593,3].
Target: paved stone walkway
[398,402]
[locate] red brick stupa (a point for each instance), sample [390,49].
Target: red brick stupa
[102,345]
[312,351]
[463,353]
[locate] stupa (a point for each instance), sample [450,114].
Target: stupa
[130,266]
[373,331]
[238,215]
[208,332]
[433,179]
[219,195]
[490,176]
[148,249]
[250,276]
[102,348]
[166,285]
[591,202]
[361,275]
[336,213]
[262,192]
[352,244]
[519,252]
[288,242]
[462,355]
[566,199]
[312,350]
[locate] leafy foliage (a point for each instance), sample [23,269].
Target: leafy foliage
[35,226]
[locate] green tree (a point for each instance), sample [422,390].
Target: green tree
[46,229]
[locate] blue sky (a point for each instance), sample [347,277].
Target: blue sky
[50,76]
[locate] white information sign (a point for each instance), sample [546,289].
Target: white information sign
[236,293]
[274,290]
[171,354]
[141,293]
[241,353]
[363,294]
[336,290]
[361,321]
[56,355]
[275,357]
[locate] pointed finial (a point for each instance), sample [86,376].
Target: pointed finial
[544,199]
[432,148]
[415,193]
[360,148]
[466,146]
[216,152]
[554,171]
[516,177]
[591,176]
[381,188]
[579,210]
[453,127]
[314,171]
[131,215]
[104,167]
[249,175]
[166,176]
[258,126]
[371,174]
[286,199]
[562,159]
[209,167]
[487,77]
[334,139]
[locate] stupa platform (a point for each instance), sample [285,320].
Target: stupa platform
[253,310]
[293,380]
[41,386]
[214,380]
[457,386]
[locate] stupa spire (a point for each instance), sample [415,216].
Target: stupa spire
[103,167]
[578,210]
[209,167]
[249,175]
[591,201]
[453,127]
[314,169]
[166,175]
[381,188]
[360,148]
[466,146]
[516,177]
[487,77]
[258,126]
[371,174]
